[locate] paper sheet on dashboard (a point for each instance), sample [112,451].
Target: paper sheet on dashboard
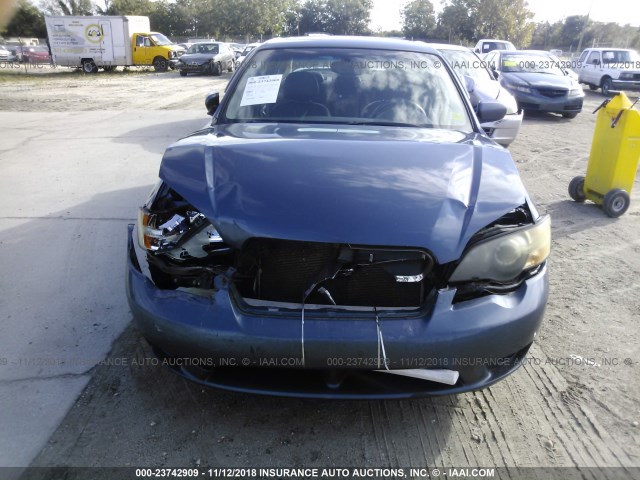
[259,90]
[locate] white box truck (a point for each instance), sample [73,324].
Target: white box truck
[108,42]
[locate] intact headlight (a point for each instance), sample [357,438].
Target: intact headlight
[505,257]
[518,88]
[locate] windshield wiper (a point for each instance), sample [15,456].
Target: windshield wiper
[378,123]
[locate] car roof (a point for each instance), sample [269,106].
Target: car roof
[493,40]
[349,42]
[600,49]
[448,46]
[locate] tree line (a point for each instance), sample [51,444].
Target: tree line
[460,21]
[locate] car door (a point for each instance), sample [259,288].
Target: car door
[141,50]
[592,70]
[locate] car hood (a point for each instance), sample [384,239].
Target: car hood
[381,186]
[539,80]
[197,57]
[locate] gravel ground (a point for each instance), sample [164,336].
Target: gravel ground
[577,403]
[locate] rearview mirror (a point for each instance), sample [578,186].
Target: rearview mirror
[212,101]
[491,111]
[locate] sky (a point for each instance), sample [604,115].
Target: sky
[386,13]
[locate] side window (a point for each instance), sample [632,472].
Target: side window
[583,57]
[594,58]
[147,42]
[139,41]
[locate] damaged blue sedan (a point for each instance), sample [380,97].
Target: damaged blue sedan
[342,228]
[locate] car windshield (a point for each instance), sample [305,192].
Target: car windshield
[160,39]
[530,63]
[207,48]
[466,63]
[619,56]
[347,86]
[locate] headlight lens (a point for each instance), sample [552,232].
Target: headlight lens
[505,257]
[160,232]
[574,92]
[518,88]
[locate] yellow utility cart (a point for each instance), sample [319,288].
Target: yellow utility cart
[614,156]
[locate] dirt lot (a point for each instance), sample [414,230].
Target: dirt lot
[576,402]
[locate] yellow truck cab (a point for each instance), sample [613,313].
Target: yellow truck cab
[155,49]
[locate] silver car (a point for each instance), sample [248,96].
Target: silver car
[483,86]
[207,57]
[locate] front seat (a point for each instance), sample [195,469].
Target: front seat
[300,95]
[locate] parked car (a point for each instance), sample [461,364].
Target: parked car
[237,49]
[245,52]
[343,228]
[37,54]
[537,82]
[483,86]
[609,68]
[5,54]
[487,45]
[207,57]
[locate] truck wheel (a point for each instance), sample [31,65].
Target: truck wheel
[616,202]
[88,66]
[576,189]
[606,85]
[160,64]
[183,73]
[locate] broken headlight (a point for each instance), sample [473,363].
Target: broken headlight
[505,257]
[167,220]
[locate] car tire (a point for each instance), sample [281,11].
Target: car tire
[216,69]
[616,202]
[183,73]
[606,85]
[160,64]
[232,67]
[570,114]
[576,189]
[593,87]
[88,66]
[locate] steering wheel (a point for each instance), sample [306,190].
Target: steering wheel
[403,111]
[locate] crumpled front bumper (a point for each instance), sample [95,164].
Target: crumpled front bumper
[216,341]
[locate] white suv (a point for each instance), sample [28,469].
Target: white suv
[487,45]
[609,68]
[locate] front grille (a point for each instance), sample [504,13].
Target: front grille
[286,271]
[552,93]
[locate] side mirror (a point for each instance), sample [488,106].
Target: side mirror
[212,101]
[496,73]
[491,111]
[477,50]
